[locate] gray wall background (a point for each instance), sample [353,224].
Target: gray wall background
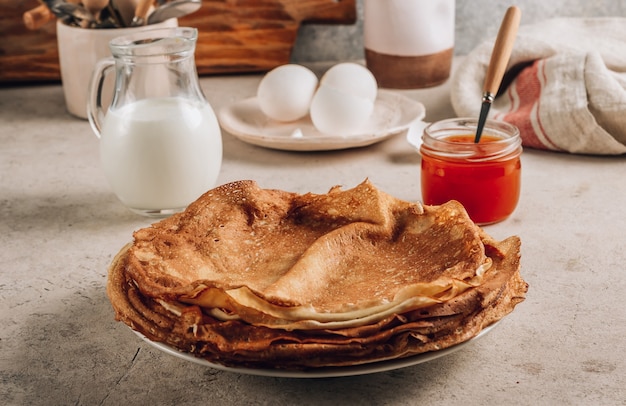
[476,21]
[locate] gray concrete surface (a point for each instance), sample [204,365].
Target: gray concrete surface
[60,227]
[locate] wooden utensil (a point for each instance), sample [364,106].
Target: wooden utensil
[37,17]
[497,65]
[141,13]
[235,36]
[244,36]
[95,7]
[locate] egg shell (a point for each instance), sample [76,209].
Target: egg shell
[335,112]
[352,78]
[285,92]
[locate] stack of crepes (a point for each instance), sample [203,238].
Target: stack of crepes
[256,278]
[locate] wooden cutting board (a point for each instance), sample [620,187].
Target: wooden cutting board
[235,36]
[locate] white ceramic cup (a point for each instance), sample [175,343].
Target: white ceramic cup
[79,51]
[409,43]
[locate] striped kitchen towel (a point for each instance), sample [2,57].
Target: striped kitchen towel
[565,87]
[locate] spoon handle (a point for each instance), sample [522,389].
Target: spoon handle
[37,17]
[502,50]
[141,13]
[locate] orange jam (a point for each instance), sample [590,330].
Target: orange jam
[485,177]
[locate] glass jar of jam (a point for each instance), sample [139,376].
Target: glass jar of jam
[485,177]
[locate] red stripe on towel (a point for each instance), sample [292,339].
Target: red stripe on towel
[527,87]
[526,91]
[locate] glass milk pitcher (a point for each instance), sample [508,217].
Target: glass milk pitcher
[160,142]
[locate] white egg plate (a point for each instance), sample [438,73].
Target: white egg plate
[393,114]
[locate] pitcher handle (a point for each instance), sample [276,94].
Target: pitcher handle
[95,111]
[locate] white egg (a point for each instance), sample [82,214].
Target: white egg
[336,113]
[351,78]
[344,100]
[285,92]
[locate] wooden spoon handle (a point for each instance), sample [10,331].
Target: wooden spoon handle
[502,50]
[141,11]
[37,17]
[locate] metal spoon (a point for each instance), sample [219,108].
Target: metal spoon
[77,12]
[497,65]
[173,9]
[125,10]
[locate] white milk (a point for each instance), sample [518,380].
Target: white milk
[161,153]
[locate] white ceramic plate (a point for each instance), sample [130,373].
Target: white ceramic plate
[330,372]
[414,135]
[393,114]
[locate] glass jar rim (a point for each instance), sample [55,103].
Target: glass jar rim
[436,140]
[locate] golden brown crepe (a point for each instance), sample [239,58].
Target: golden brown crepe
[273,279]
